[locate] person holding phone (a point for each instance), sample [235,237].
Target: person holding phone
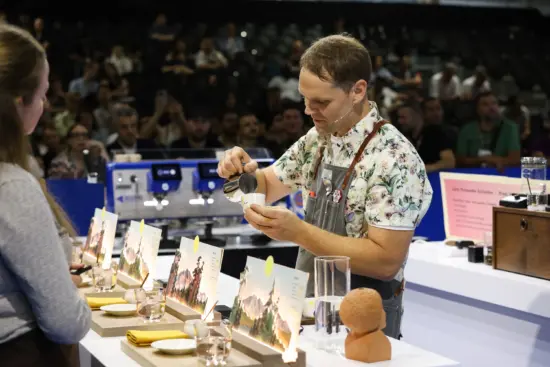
[41,312]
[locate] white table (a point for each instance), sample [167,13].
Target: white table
[473,313]
[107,351]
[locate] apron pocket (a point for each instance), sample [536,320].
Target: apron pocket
[330,216]
[394,312]
[310,210]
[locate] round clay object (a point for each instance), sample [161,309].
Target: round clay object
[362,310]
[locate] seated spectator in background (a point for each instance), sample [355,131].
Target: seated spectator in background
[208,58]
[56,95]
[87,84]
[103,114]
[475,84]
[231,43]
[405,77]
[128,141]
[39,34]
[293,123]
[64,120]
[73,163]
[120,61]
[167,123]
[248,135]
[229,129]
[541,146]
[177,61]
[431,142]
[491,141]
[118,85]
[516,112]
[275,136]
[445,85]
[50,146]
[433,114]
[160,30]
[197,137]
[379,71]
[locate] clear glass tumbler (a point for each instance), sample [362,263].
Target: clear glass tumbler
[104,279]
[213,350]
[151,303]
[332,283]
[533,182]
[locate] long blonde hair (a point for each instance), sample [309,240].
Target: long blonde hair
[58,212]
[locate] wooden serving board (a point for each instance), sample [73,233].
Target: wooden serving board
[150,357]
[127,282]
[185,313]
[117,292]
[267,356]
[110,326]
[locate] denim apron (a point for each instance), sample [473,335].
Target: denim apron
[326,209]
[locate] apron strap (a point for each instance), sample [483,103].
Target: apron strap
[359,153]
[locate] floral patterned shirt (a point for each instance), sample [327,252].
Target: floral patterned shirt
[390,188]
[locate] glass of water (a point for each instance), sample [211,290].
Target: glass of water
[104,278]
[213,350]
[151,303]
[533,182]
[332,283]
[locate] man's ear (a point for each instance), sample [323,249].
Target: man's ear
[360,91]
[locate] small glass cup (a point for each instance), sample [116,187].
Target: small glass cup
[104,279]
[151,303]
[213,350]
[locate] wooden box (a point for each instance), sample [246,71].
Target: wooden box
[110,326]
[149,357]
[117,292]
[521,241]
[267,356]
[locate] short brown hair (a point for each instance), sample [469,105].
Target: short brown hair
[340,59]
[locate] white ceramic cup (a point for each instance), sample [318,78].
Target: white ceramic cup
[255,198]
[196,328]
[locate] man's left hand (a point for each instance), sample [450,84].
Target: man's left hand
[275,222]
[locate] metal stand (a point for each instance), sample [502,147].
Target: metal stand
[209,238]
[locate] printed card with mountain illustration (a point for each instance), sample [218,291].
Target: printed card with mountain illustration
[101,237]
[194,275]
[139,252]
[269,304]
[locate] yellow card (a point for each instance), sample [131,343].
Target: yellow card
[141,227]
[269,266]
[196,244]
[103,213]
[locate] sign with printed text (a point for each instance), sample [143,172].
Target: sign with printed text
[193,279]
[468,202]
[269,304]
[138,257]
[101,238]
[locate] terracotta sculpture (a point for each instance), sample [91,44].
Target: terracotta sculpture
[363,314]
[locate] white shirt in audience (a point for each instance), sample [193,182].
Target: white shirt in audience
[468,84]
[448,91]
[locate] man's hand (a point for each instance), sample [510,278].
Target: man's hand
[495,161]
[232,163]
[275,222]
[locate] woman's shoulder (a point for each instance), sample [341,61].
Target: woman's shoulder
[12,172]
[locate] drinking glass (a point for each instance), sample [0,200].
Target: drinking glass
[533,182]
[104,279]
[332,283]
[213,350]
[151,303]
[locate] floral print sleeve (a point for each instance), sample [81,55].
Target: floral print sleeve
[294,167]
[398,192]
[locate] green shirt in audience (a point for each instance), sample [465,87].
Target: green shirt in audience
[472,142]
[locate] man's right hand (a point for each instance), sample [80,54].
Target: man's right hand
[236,161]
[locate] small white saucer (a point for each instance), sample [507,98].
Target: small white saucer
[175,346]
[309,307]
[119,310]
